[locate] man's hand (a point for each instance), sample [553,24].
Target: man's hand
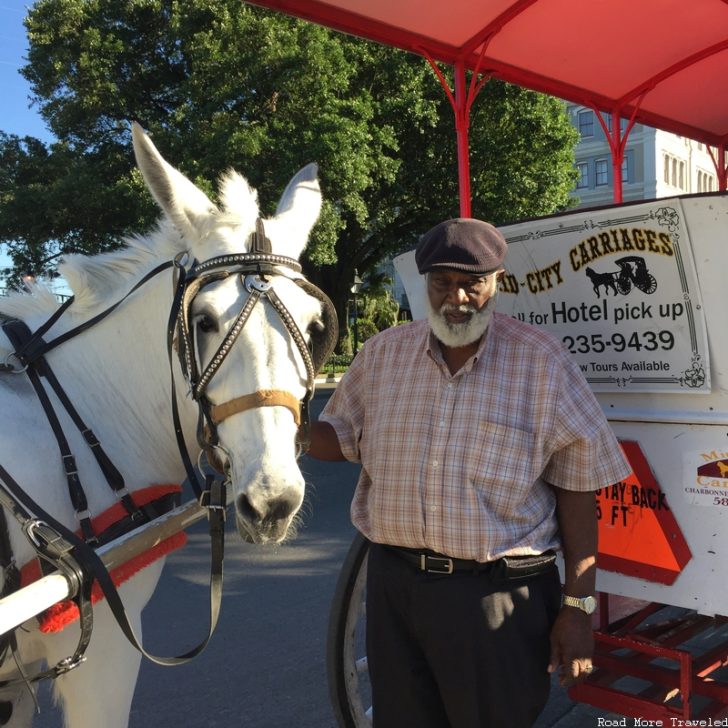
[572,646]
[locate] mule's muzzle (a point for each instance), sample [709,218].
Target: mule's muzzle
[269,521]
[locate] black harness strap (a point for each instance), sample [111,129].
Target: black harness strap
[17,332]
[82,565]
[55,544]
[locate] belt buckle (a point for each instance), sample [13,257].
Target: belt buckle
[446,568]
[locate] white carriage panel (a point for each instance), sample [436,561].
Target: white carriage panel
[676,455]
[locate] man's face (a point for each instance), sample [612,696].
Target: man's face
[459,313]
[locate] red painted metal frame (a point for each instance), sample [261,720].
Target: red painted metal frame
[668,677]
[470,55]
[461,102]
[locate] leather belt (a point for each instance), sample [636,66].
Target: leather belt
[507,567]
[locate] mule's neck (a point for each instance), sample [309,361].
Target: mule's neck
[117,374]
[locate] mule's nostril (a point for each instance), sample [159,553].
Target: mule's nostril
[246,510]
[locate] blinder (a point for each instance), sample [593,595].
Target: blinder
[323,342]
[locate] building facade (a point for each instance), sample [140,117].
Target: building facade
[656,163]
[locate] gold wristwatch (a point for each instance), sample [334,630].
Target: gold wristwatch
[586,604]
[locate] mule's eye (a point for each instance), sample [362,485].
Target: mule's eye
[206,324]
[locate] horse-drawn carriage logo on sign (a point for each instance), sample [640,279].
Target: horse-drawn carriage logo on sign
[632,272]
[619,288]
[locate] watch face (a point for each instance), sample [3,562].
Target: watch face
[590,604]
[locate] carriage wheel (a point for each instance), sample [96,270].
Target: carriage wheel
[346,661]
[624,285]
[648,285]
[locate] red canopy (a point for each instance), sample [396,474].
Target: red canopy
[663,63]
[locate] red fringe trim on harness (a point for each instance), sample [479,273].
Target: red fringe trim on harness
[55,618]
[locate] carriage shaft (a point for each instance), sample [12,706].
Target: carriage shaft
[33,599]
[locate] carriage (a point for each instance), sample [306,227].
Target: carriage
[633,272]
[662,381]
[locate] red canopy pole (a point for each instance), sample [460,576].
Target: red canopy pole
[461,100]
[616,148]
[617,144]
[720,167]
[462,127]
[617,156]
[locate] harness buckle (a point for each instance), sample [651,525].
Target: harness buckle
[69,465]
[446,566]
[254,282]
[84,515]
[215,497]
[67,664]
[8,366]
[46,539]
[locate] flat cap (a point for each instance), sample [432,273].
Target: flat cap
[463,244]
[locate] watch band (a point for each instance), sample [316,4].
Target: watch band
[587,604]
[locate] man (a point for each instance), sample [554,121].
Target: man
[481,445]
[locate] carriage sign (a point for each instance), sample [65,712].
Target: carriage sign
[619,288]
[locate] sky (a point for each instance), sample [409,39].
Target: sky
[16,116]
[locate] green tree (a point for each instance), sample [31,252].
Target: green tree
[223,84]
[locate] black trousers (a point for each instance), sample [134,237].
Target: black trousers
[465,650]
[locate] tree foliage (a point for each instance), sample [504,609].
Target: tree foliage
[220,84]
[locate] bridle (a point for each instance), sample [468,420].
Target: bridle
[258,271]
[73,554]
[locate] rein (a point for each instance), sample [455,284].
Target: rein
[75,556]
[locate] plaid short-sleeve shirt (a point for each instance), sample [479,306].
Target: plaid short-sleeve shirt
[461,463]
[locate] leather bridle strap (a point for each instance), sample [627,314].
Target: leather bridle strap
[261,398]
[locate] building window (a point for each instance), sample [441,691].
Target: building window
[676,172]
[585,123]
[706,181]
[622,124]
[582,181]
[601,172]
[625,168]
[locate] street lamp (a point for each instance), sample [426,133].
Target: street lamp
[355,289]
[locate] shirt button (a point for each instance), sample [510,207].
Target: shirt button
[435,463]
[433,508]
[441,423]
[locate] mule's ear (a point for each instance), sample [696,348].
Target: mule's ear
[297,212]
[185,204]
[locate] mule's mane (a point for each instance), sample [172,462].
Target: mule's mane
[100,280]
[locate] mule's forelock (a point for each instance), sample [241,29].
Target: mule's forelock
[238,199]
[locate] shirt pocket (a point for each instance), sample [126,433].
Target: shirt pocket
[506,465]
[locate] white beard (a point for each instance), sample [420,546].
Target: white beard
[457,335]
